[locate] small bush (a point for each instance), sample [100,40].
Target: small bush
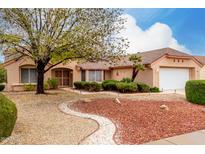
[195,91]
[2,74]
[109,85]
[79,84]
[154,89]
[8,115]
[2,86]
[29,87]
[124,87]
[92,86]
[46,86]
[127,80]
[142,87]
[53,83]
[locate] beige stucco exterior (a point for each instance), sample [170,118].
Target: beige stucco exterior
[150,76]
[202,73]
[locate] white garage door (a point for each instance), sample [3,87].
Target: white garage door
[173,78]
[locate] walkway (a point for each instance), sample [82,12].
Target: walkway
[194,138]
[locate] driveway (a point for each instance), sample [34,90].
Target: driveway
[178,91]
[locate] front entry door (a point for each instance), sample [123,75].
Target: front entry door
[62,75]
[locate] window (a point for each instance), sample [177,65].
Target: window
[95,76]
[83,75]
[28,75]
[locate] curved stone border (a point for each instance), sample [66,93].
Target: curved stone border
[103,135]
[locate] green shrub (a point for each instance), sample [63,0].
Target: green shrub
[154,89]
[128,80]
[8,115]
[53,83]
[2,86]
[29,87]
[79,84]
[109,84]
[46,86]
[92,86]
[142,87]
[124,87]
[2,74]
[195,91]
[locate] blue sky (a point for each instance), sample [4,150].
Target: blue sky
[187,25]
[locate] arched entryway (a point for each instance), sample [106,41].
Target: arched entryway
[64,76]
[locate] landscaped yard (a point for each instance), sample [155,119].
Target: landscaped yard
[138,118]
[140,121]
[41,122]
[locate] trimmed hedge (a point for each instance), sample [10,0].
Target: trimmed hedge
[154,89]
[2,86]
[127,80]
[109,85]
[195,91]
[8,116]
[142,87]
[125,87]
[79,84]
[92,86]
[89,86]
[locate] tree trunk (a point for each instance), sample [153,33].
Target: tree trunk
[40,78]
[134,74]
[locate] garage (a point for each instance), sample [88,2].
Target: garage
[173,78]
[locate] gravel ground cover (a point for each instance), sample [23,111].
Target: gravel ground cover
[141,120]
[41,122]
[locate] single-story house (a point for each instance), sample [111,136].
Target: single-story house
[165,68]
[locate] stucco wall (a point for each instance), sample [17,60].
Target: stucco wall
[202,73]
[145,76]
[120,73]
[14,74]
[14,71]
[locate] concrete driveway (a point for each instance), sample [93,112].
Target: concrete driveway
[194,138]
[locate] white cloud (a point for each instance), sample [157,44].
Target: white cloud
[157,36]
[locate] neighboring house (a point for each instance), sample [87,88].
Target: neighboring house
[165,68]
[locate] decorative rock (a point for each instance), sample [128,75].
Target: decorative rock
[164,107]
[86,100]
[203,110]
[117,101]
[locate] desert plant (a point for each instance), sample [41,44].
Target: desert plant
[109,85]
[124,87]
[154,89]
[2,86]
[8,115]
[128,80]
[29,87]
[142,87]
[53,83]
[195,91]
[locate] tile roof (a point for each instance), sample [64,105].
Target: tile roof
[147,58]
[95,66]
[201,59]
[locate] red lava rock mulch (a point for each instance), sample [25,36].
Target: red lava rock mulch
[143,121]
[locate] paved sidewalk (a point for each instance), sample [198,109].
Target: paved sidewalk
[195,138]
